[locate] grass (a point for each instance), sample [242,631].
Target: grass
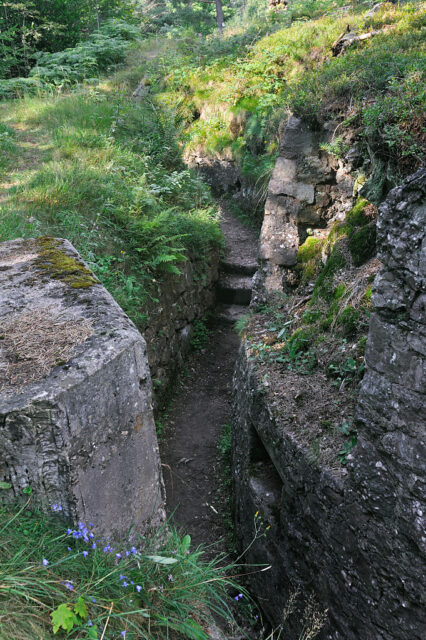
[157,586]
[232,93]
[105,173]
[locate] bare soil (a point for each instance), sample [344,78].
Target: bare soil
[198,412]
[189,447]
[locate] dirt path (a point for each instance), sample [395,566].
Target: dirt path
[199,411]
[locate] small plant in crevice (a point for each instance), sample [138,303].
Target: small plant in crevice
[345,372]
[348,429]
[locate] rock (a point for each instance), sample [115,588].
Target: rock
[357,541]
[76,421]
[347,39]
[308,186]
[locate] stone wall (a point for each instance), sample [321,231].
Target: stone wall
[180,300]
[76,420]
[308,189]
[356,541]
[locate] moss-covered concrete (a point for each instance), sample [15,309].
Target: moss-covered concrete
[60,266]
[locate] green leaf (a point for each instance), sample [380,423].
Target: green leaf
[80,609]
[5,485]
[93,632]
[186,543]
[63,618]
[162,560]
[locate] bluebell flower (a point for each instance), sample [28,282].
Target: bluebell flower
[45,562]
[94,545]
[123,633]
[85,554]
[68,586]
[118,556]
[90,623]
[170,578]
[125,584]
[138,588]
[133,550]
[93,600]
[69,548]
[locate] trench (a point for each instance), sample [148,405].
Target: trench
[201,405]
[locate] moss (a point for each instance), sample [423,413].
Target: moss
[302,338]
[310,249]
[61,266]
[356,216]
[324,284]
[368,293]
[309,258]
[362,244]
[361,344]
[349,320]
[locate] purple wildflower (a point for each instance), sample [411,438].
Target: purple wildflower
[138,588]
[85,554]
[68,586]
[45,562]
[170,578]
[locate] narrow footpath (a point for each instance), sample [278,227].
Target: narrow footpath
[202,405]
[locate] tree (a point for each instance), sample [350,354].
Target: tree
[219,13]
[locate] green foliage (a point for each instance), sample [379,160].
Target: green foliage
[362,244]
[349,319]
[349,429]
[30,27]
[7,146]
[200,334]
[54,583]
[113,183]
[324,286]
[309,258]
[270,63]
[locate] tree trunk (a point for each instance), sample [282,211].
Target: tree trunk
[219,16]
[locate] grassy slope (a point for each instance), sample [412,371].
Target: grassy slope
[233,93]
[105,172]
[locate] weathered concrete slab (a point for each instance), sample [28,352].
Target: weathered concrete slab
[76,422]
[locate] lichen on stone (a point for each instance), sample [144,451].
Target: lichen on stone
[60,266]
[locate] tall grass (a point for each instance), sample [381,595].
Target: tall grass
[157,586]
[109,179]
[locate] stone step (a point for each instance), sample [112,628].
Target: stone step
[234,289]
[245,269]
[230,313]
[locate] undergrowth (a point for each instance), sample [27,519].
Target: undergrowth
[64,582]
[112,182]
[233,92]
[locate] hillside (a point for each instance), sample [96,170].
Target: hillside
[287,403]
